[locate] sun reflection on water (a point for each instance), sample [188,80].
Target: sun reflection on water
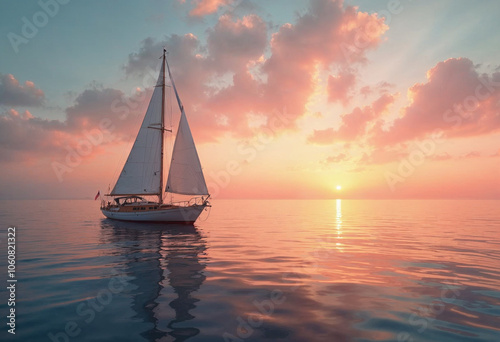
[338,221]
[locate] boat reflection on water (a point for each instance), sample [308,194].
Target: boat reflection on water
[166,264]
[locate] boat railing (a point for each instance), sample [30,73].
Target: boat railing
[193,201]
[106,204]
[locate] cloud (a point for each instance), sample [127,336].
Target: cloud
[382,155]
[355,124]
[456,99]
[22,132]
[472,154]
[336,158]
[95,104]
[322,136]
[205,7]
[99,116]
[239,74]
[194,76]
[232,44]
[365,91]
[326,34]
[339,86]
[285,80]
[12,93]
[182,51]
[382,88]
[440,157]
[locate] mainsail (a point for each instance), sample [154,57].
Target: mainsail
[185,176]
[141,174]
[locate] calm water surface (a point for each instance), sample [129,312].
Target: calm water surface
[257,271]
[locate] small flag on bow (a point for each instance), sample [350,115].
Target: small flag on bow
[98,195]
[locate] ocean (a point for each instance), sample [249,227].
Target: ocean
[254,270]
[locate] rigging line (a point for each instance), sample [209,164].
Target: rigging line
[171,109]
[181,107]
[171,138]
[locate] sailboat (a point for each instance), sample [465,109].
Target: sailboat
[142,174]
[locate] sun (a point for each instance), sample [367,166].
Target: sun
[338,187]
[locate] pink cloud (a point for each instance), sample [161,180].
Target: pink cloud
[337,158]
[325,35]
[232,44]
[456,99]
[227,82]
[382,155]
[382,88]
[440,157]
[95,104]
[354,124]
[193,74]
[22,134]
[472,154]
[99,116]
[381,105]
[205,7]
[296,50]
[323,136]
[365,91]
[12,93]
[339,86]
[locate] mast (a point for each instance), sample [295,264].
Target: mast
[160,192]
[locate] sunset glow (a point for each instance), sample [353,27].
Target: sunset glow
[250,170]
[292,99]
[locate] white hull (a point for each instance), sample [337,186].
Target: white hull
[168,215]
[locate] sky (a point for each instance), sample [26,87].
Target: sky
[298,99]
